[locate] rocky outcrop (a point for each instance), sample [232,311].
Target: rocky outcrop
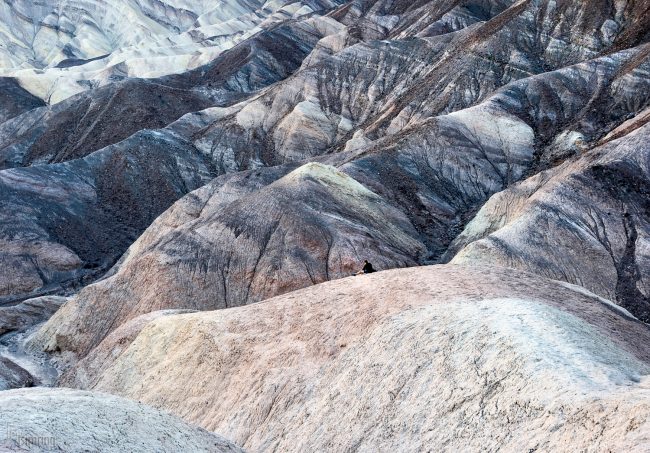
[438,357]
[17,318]
[87,123]
[14,376]
[368,90]
[43,420]
[15,100]
[585,222]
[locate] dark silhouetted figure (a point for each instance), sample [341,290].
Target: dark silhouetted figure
[366,269]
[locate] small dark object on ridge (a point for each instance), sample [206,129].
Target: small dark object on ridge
[366,269]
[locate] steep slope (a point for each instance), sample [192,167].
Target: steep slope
[310,226]
[41,420]
[79,216]
[47,32]
[586,222]
[56,49]
[445,357]
[14,376]
[14,100]
[435,175]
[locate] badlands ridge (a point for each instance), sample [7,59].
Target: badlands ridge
[187,187]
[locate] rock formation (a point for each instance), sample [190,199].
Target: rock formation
[310,226]
[83,211]
[585,222]
[438,358]
[165,165]
[435,176]
[70,420]
[56,49]
[17,318]
[367,84]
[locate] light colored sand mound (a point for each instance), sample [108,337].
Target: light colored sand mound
[42,419]
[437,358]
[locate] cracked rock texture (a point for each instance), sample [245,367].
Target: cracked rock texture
[45,420]
[444,358]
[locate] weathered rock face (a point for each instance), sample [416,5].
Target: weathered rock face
[93,120]
[586,222]
[435,176]
[87,123]
[80,215]
[20,317]
[56,49]
[372,89]
[70,420]
[430,357]
[310,226]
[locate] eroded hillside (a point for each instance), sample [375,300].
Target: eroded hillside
[165,157]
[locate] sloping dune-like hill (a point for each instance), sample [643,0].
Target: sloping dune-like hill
[442,358]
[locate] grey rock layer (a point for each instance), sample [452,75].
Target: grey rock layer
[20,317]
[19,368]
